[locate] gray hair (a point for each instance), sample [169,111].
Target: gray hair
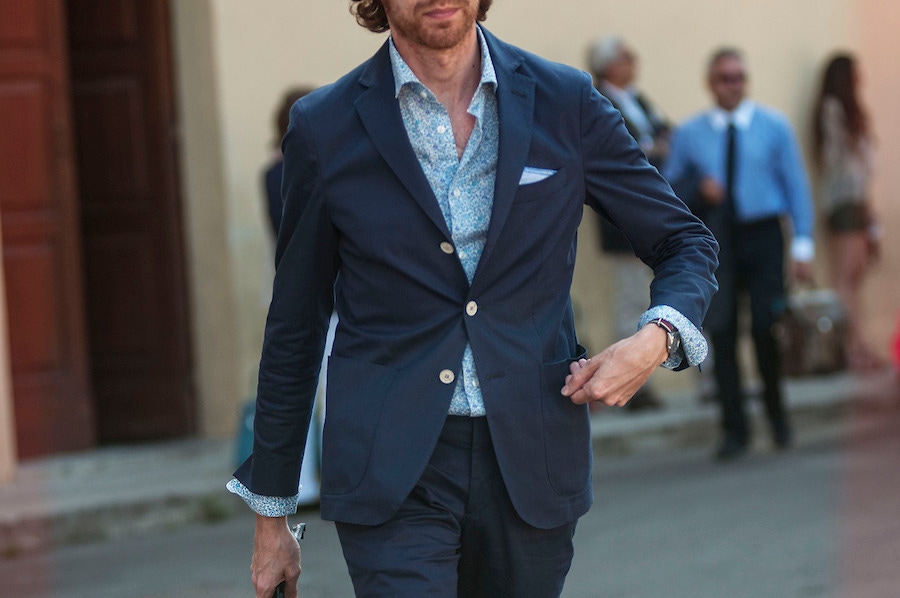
[605,51]
[724,52]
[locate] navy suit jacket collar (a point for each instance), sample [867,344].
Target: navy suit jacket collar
[380,114]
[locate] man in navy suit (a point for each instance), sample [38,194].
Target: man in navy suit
[432,197]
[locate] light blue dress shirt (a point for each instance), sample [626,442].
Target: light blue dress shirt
[770,178]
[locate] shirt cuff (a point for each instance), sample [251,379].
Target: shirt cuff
[803,249]
[267,506]
[693,344]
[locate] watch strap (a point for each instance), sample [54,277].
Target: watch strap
[672,337]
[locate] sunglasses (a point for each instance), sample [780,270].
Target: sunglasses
[729,78]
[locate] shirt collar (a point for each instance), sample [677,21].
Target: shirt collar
[608,89]
[740,116]
[403,75]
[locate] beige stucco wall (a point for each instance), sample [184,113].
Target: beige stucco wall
[211,266]
[235,59]
[881,82]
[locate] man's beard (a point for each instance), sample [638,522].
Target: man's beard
[435,37]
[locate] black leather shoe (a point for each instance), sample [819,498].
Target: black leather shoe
[782,436]
[731,449]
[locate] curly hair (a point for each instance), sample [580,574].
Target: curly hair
[371,15]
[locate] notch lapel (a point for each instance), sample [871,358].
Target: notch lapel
[379,111]
[515,105]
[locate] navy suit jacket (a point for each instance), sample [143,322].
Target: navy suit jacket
[358,205]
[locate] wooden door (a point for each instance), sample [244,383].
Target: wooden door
[41,255]
[131,223]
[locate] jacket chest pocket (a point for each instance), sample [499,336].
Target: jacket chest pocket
[537,190]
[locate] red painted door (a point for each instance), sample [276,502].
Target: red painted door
[41,246]
[124,119]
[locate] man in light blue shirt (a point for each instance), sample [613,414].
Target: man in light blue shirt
[739,168]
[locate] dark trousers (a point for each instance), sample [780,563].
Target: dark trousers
[751,263]
[457,534]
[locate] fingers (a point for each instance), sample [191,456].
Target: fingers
[290,585]
[276,557]
[265,579]
[613,376]
[577,365]
[583,385]
[265,586]
[582,370]
[264,589]
[290,590]
[592,391]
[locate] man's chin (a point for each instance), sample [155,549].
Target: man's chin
[444,37]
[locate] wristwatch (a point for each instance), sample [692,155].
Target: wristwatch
[673,338]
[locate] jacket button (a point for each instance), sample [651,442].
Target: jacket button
[447,376]
[471,308]
[447,247]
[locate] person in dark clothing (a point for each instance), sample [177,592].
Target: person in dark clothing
[274,171]
[614,66]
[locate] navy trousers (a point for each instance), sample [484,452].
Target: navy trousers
[751,263]
[457,534]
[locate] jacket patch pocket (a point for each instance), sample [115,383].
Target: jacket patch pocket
[355,395]
[567,432]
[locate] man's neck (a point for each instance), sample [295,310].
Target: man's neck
[622,85]
[451,74]
[740,115]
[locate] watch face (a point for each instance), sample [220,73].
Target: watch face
[674,343]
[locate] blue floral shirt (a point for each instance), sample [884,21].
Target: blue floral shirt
[463,186]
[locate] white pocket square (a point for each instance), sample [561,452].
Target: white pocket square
[533,175]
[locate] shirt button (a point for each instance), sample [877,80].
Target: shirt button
[441,129]
[471,308]
[423,94]
[447,376]
[456,193]
[447,247]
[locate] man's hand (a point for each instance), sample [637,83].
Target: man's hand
[873,248]
[614,375]
[802,272]
[711,191]
[276,557]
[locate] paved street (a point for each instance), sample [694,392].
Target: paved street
[820,520]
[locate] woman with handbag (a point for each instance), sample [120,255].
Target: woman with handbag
[843,146]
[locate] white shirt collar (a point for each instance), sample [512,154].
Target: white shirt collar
[608,89]
[740,116]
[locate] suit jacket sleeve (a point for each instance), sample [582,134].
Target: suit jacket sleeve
[624,187]
[306,265]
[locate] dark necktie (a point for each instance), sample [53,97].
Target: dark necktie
[730,167]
